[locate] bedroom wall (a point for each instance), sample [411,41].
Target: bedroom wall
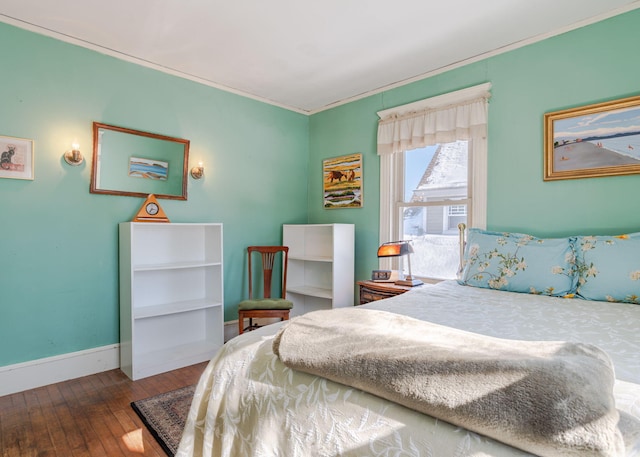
[58,254]
[593,64]
[58,242]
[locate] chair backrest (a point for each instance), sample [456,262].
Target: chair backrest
[268,255]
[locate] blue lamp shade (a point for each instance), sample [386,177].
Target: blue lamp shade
[397,249]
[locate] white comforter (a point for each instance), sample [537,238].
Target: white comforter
[249,404]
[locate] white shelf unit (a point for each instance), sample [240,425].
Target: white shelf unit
[321,266]
[171,296]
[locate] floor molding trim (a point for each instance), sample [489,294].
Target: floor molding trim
[230,330]
[42,372]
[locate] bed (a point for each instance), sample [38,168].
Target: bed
[249,403]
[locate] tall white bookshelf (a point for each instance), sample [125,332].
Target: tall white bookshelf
[321,266]
[171,296]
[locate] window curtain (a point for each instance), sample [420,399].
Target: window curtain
[460,115]
[462,121]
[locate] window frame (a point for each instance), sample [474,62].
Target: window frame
[392,176]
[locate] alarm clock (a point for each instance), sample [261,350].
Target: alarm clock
[381,275]
[385,275]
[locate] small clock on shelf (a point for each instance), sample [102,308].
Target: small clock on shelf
[150,211]
[152,208]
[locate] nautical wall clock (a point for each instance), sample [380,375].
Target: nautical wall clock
[150,211]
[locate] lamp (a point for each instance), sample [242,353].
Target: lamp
[197,172]
[74,156]
[397,249]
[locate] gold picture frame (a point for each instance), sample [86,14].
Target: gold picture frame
[342,182]
[590,141]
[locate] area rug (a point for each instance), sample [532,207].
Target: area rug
[165,415]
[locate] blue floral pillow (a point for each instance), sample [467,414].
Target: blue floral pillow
[519,263]
[609,267]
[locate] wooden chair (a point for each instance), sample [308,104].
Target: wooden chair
[265,306]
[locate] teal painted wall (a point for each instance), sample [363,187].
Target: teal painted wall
[58,248]
[58,242]
[588,65]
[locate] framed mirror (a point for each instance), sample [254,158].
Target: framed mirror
[134,163]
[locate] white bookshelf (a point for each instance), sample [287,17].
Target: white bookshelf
[171,296]
[321,266]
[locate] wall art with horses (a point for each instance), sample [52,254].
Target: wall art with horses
[342,181]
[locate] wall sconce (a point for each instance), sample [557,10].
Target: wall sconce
[397,249]
[197,172]
[74,156]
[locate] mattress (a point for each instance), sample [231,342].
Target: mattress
[248,403]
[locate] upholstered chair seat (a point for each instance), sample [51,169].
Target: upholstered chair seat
[265,303]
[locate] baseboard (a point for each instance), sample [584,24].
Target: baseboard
[42,372]
[230,330]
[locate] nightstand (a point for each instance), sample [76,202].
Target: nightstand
[372,290]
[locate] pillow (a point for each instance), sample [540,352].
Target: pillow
[609,267]
[519,263]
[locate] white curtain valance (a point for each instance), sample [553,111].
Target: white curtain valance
[462,121]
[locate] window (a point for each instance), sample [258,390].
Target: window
[434,201]
[432,177]
[457,210]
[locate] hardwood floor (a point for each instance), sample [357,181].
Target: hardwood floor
[89,416]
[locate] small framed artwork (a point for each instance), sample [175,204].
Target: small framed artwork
[602,139]
[16,158]
[342,182]
[149,169]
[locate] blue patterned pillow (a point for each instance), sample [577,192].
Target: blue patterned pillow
[519,263]
[609,267]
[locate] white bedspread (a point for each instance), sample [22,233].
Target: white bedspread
[249,404]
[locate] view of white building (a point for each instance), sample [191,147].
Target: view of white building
[445,178]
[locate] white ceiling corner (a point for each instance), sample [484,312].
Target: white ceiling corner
[304,55]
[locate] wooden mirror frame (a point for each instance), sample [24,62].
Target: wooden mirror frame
[97,152]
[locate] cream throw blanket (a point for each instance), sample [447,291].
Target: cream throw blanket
[547,398]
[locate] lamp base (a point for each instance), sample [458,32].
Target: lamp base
[73,158]
[408,281]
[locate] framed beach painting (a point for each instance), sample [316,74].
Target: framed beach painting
[16,158]
[342,182]
[148,168]
[602,139]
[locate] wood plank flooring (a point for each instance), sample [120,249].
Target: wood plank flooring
[89,416]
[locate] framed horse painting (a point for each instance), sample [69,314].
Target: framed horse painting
[342,182]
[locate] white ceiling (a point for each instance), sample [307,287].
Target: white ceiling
[304,55]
